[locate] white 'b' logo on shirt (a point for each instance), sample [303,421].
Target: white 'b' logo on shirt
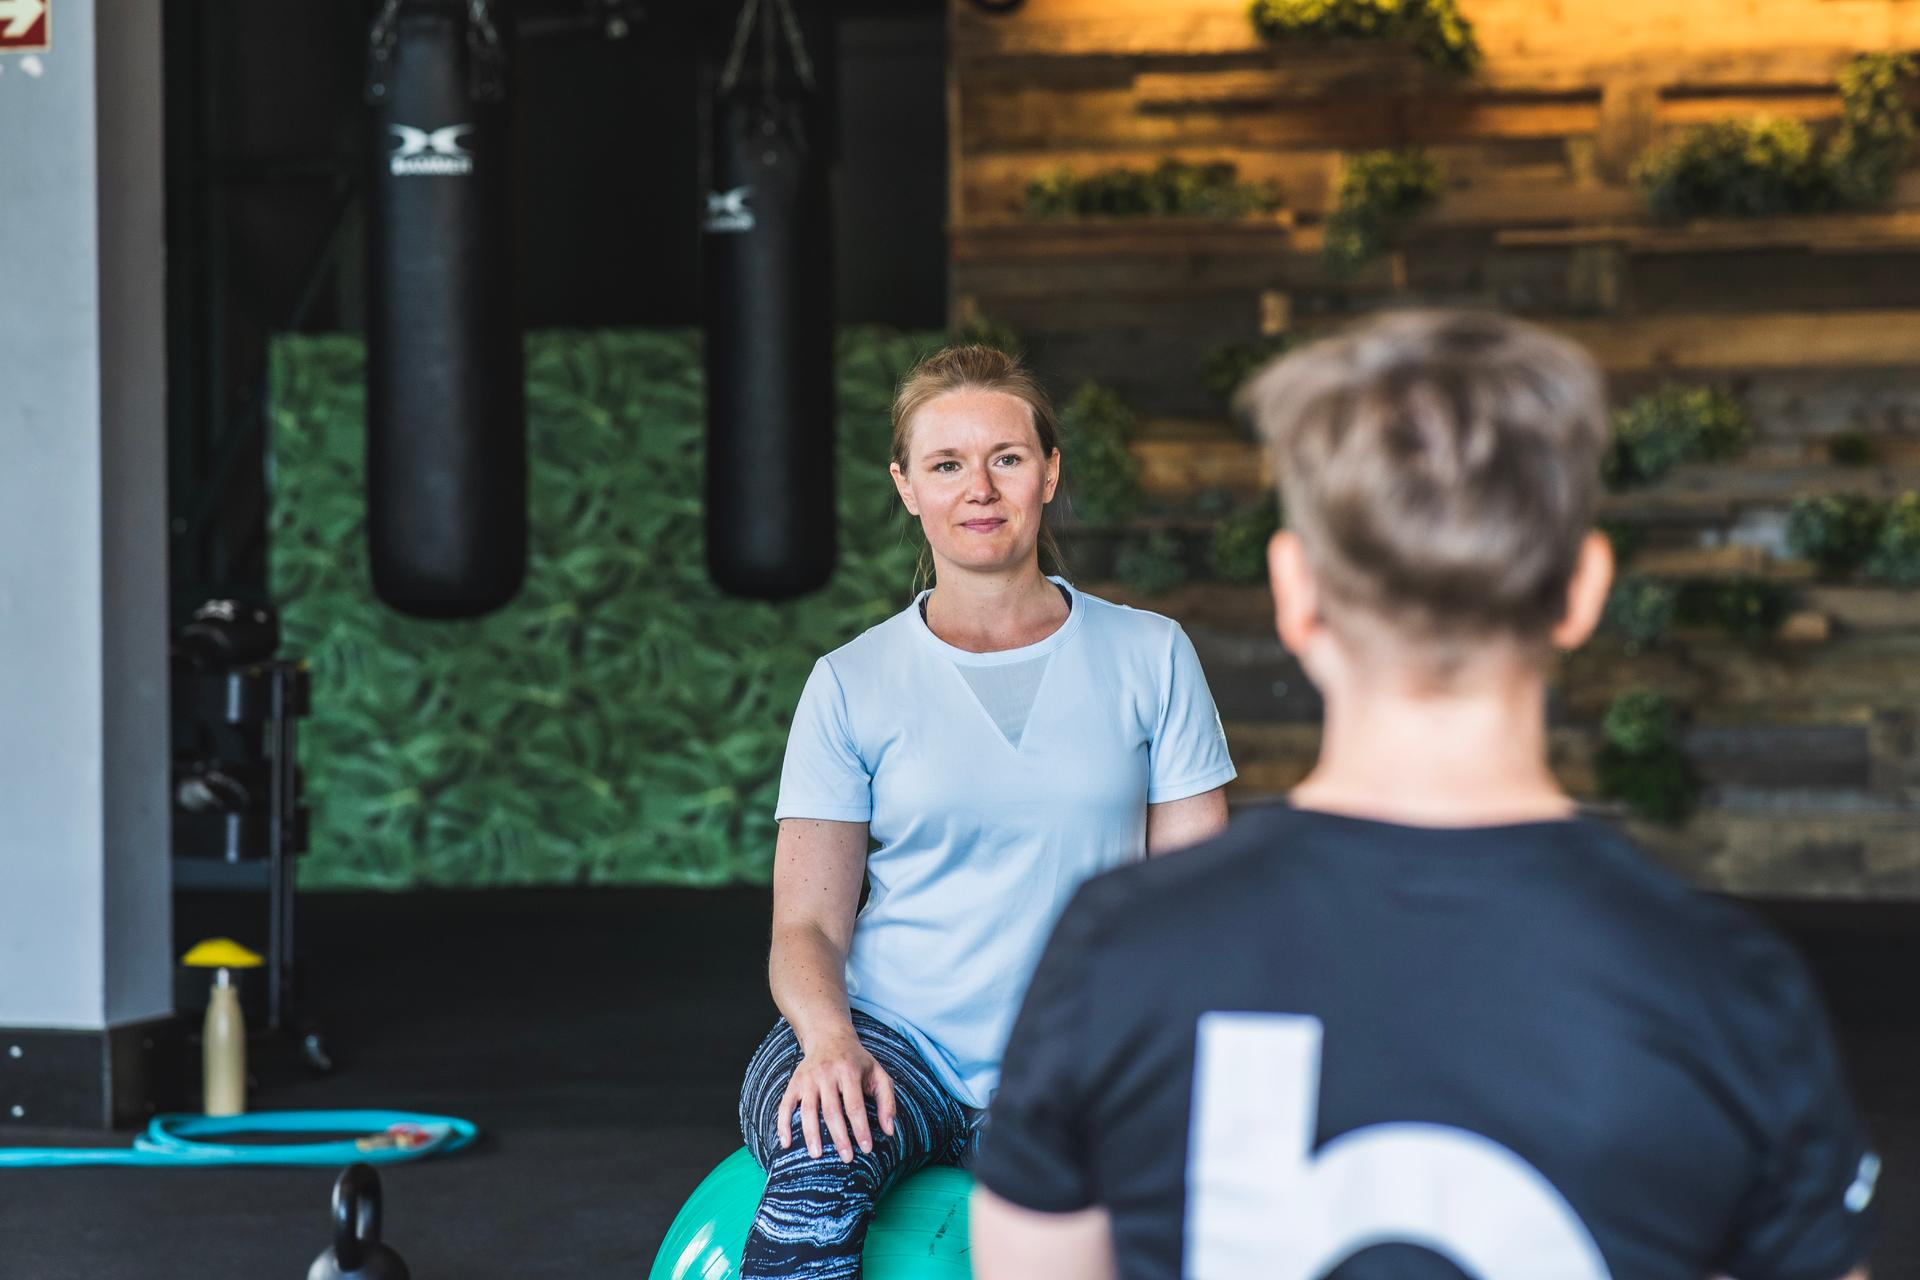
[1261,1202]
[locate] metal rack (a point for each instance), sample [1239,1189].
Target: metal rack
[250,846]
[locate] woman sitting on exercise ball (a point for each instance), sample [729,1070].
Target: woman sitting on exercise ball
[997,742]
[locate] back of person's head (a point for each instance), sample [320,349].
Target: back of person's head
[1441,470]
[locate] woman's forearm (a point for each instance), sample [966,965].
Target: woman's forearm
[807,971]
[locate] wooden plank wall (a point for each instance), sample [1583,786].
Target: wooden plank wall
[1538,216]
[1809,744]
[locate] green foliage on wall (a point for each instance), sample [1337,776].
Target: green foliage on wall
[621,721]
[1171,189]
[1226,367]
[1433,28]
[1896,555]
[1626,539]
[1842,533]
[1152,564]
[1765,165]
[1732,168]
[1237,552]
[1641,722]
[1746,608]
[1641,763]
[1875,140]
[1641,610]
[1837,531]
[1380,191]
[1101,477]
[1672,425]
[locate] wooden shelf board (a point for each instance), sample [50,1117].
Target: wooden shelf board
[1703,341]
[1515,101]
[1832,233]
[1110,237]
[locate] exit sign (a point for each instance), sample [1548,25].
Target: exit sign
[24,26]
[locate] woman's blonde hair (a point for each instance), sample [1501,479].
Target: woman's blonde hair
[1441,470]
[972,367]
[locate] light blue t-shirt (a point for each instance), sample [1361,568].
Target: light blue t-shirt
[994,784]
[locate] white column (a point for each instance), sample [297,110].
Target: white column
[84,890]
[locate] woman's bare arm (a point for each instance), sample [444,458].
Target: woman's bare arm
[1179,823]
[817,869]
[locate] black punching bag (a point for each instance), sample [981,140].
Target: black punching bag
[767,293]
[446,429]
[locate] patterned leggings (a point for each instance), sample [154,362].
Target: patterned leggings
[813,1218]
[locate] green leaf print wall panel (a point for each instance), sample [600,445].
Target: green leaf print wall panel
[621,722]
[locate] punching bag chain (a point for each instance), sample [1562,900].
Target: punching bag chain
[743,30]
[380,45]
[486,58]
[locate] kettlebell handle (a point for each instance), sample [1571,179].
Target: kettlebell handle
[356,1214]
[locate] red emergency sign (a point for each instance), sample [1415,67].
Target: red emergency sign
[25,26]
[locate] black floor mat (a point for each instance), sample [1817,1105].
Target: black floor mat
[597,1036]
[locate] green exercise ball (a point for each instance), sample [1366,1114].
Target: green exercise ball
[919,1231]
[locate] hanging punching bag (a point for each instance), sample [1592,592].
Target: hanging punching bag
[446,431]
[767,293]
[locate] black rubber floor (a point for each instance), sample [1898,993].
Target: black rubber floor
[598,1036]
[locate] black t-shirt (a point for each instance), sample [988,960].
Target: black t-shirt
[1501,1051]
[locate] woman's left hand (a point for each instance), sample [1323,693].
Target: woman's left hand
[830,1088]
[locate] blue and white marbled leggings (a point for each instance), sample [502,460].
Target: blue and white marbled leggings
[813,1218]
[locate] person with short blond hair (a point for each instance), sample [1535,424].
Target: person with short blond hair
[1426,1018]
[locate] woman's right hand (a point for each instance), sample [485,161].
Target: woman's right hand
[830,1087]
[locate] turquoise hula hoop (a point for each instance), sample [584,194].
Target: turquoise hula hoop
[182,1141]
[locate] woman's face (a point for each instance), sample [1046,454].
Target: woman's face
[977,479]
